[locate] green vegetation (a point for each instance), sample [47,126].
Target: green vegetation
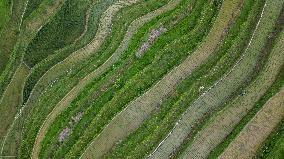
[31,6]
[137,78]
[216,96]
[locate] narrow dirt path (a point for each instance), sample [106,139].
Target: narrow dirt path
[257,130]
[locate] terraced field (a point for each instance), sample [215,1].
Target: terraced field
[141,79]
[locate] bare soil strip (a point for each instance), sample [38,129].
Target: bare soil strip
[224,122]
[133,115]
[257,130]
[221,90]
[78,88]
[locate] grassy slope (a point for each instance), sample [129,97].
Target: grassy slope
[112,91]
[111,128]
[12,136]
[29,30]
[222,22]
[5,14]
[137,85]
[41,68]
[11,100]
[75,62]
[8,37]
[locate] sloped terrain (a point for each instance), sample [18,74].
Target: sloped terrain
[141,79]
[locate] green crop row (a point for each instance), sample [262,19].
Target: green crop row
[220,92]
[156,127]
[212,135]
[65,85]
